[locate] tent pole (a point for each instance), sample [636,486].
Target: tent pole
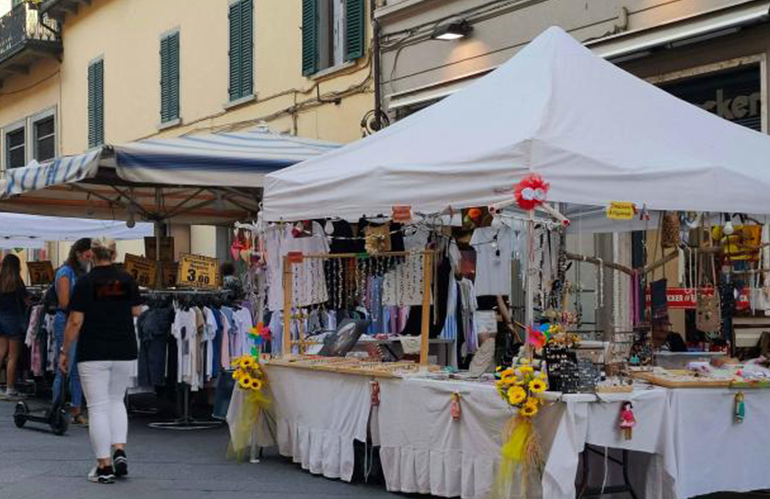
[288,292]
[427,286]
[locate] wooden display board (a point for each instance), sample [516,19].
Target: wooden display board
[288,292]
[198,271]
[143,270]
[166,249]
[40,273]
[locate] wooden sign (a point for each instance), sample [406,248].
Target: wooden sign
[143,270]
[40,273]
[621,211]
[166,249]
[170,274]
[198,271]
[295,256]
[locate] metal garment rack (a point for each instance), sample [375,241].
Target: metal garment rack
[186,422]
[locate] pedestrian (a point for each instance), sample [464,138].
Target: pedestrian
[13,320]
[78,263]
[230,281]
[101,322]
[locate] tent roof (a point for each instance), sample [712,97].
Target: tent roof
[18,227]
[595,132]
[200,178]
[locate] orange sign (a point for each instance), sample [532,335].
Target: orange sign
[402,214]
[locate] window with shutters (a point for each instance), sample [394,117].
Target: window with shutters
[169,78]
[15,147]
[96,103]
[333,33]
[241,18]
[44,137]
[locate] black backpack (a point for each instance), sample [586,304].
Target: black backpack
[50,300]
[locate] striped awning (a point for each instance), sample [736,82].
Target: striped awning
[201,178]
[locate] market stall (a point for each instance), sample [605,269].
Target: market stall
[603,141]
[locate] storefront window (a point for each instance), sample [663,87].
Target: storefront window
[735,94]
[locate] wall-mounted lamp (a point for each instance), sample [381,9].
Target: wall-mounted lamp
[453,31]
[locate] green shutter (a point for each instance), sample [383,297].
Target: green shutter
[309,37]
[236,52]
[355,29]
[247,47]
[169,78]
[96,104]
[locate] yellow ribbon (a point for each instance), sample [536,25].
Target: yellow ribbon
[250,411]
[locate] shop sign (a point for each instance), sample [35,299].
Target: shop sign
[618,210]
[166,248]
[40,273]
[143,270]
[687,298]
[735,95]
[402,214]
[198,271]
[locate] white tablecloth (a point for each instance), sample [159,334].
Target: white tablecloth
[424,451]
[690,443]
[318,416]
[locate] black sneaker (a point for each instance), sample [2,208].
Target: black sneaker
[120,463]
[102,475]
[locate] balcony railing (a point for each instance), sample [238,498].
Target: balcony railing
[24,26]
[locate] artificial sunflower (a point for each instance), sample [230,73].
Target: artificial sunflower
[529,410]
[245,382]
[256,384]
[508,378]
[237,375]
[537,386]
[526,369]
[516,395]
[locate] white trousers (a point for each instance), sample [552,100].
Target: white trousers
[104,385]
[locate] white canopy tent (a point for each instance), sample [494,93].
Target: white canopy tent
[32,231]
[200,178]
[595,132]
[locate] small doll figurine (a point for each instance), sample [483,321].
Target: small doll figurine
[627,420]
[740,408]
[454,407]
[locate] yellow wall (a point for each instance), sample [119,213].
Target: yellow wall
[127,35]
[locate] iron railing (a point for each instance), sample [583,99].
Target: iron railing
[25,24]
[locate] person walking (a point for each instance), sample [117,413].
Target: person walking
[13,320]
[101,322]
[78,263]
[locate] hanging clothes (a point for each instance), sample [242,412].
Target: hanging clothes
[493,260]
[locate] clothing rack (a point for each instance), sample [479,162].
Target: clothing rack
[186,422]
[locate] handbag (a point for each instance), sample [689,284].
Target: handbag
[708,310]
[670,231]
[377,238]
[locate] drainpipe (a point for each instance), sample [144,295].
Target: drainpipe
[376,62]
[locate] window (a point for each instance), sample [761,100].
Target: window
[241,49]
[333,33]
[44,130]
[169,78]
[96,103]
[15,149]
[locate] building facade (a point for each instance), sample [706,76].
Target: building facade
[76,74]
[711,53]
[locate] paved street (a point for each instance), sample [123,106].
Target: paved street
[164,464]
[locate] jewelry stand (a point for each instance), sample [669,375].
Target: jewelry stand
[186,422]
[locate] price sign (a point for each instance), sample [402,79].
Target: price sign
[166,248]
[170,273]
[621,211]
[198,271]
[40,273]
[402,214]
[143,270]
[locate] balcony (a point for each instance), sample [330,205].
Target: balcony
[26,36]
[59,8]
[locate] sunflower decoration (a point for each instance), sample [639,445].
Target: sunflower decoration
[520,385]
[248,373]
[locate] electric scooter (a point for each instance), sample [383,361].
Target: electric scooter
[57,416]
